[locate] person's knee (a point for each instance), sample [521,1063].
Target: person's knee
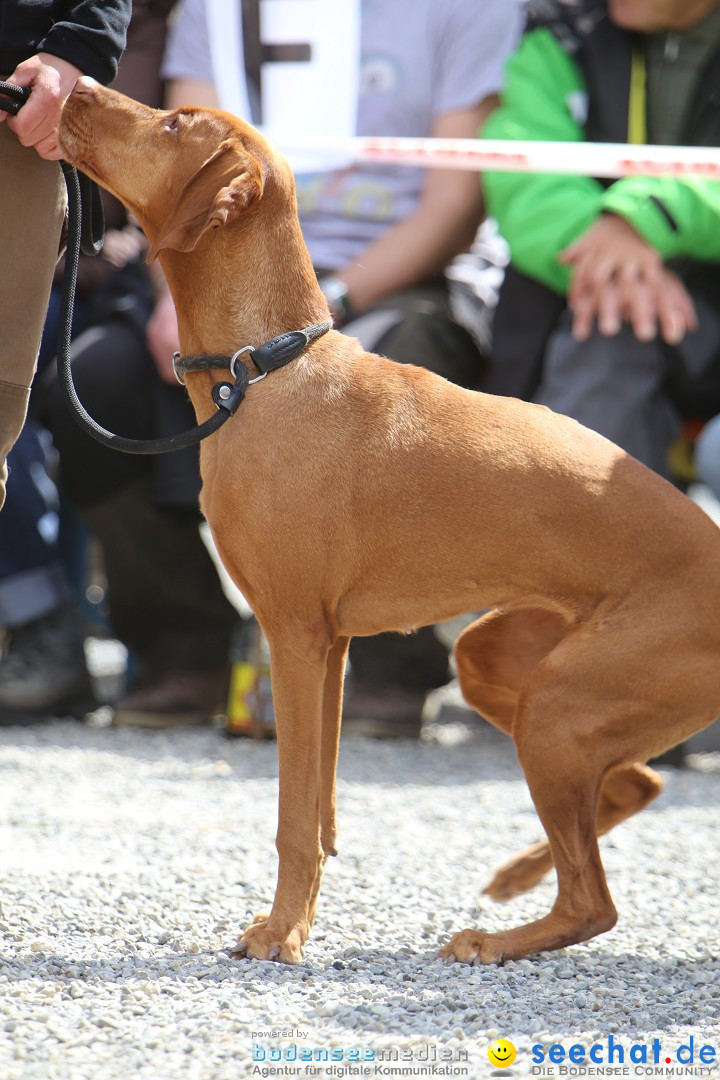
[615,386]
[617,353]
[602,371]
[13,410]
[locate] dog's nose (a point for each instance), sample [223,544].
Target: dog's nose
[85,85]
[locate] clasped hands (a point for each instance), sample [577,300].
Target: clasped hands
[617,277]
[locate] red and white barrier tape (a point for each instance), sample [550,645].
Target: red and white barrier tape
[611,160]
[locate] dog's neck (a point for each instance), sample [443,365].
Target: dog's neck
[242,286]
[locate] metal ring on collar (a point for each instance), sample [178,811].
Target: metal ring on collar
[233,358]
[233,370]
[175,358]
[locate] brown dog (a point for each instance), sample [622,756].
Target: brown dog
[351,495]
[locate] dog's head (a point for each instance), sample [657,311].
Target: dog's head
[181,173]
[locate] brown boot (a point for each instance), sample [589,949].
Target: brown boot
[175,699]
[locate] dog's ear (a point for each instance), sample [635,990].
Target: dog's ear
[228,182]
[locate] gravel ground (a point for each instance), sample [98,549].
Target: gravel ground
[131,860]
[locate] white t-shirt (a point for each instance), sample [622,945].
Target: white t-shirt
[419,59]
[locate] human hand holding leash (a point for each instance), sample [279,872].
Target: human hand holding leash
[50,80]
[618,277]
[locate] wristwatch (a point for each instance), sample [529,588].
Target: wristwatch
[336,293]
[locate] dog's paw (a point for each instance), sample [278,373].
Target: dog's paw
[471,947]
[261,942]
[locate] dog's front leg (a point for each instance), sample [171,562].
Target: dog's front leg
[298,664]
[331,714]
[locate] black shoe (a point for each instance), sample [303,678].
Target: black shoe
[43,672]
[175,699]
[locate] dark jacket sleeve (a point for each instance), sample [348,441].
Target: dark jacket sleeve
[90,34]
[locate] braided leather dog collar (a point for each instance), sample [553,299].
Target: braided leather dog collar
[273,354]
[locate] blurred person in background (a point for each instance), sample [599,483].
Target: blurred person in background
[45,45]
[43,670]
[617,282]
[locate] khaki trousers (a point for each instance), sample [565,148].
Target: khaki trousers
[32,214]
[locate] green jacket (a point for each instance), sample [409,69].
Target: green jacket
[562,70]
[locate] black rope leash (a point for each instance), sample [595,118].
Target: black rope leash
[12,97]
[85,232]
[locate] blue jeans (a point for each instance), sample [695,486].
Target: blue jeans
[33,578]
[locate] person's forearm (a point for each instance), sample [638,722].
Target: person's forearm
[444,223]
[91,36]
[540,214]
[678,216]
[191,92]
[411,252]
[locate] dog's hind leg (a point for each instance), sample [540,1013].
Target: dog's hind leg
[299,659]
[590,708]
[580,715]
[565,783]
[496,654]
[494,657]
[625,791]
[332,711]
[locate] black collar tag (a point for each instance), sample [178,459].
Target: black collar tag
[280,351]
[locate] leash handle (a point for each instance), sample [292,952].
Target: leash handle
[12,97]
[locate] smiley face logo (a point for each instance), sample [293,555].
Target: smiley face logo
[501,1053]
